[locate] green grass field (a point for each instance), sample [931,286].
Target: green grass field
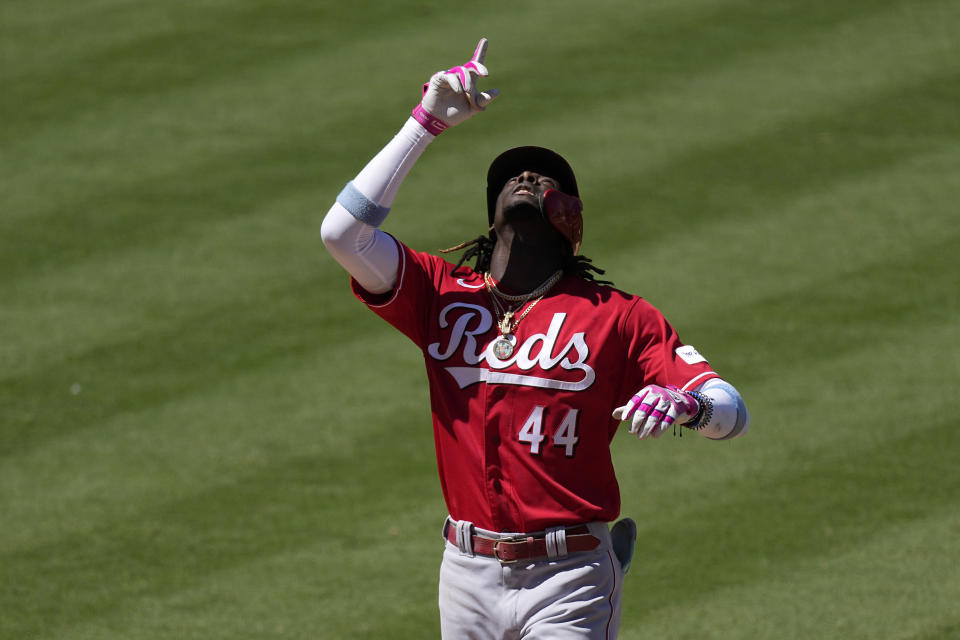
[203,435]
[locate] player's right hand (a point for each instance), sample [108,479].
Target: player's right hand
[452,96]
[654,409]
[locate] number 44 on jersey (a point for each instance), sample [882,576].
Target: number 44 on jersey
[564,436]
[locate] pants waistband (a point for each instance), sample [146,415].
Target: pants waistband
[555,542]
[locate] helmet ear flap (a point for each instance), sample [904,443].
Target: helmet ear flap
[565,213]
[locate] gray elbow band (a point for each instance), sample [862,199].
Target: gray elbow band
[361,207]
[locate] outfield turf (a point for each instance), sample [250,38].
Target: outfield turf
[203,435]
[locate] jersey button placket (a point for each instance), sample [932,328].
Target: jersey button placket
[492,442]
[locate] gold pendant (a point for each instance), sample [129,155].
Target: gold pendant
[503,346]
[505,325]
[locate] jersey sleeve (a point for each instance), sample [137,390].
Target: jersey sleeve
[656,355]
[406,305]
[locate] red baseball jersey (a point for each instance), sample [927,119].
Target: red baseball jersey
[524,443]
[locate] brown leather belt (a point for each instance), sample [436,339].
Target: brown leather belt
[524,547]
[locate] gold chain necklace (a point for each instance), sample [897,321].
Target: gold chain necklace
[504,345]
[539,291]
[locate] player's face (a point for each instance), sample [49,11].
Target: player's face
[524,191]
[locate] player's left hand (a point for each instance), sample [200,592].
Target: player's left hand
[452,96]
[654,409]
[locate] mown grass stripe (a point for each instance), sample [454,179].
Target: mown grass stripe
[164,362]
[892,585]
[751,176]
[223,430]
[162,49]
[161,547]
[793,516]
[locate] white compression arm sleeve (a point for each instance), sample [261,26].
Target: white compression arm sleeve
[349,229]
[727,415]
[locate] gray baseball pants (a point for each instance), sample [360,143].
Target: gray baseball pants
[574,596]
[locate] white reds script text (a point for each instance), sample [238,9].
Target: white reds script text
[468,321]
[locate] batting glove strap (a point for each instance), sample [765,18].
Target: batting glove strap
[432,124]
[704,415]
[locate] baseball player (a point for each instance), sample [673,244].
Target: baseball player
[532,364]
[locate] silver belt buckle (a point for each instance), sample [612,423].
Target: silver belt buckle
[510,540]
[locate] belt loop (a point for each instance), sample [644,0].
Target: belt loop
[465,537]
[556,539]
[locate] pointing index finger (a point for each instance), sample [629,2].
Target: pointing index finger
[481,51]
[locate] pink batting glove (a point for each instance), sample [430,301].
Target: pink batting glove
[452,96]
[654,409]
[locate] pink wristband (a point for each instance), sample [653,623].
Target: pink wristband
[431,123]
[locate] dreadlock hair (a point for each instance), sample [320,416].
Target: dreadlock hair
[481,251]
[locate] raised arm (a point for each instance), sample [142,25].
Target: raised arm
[350,229]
